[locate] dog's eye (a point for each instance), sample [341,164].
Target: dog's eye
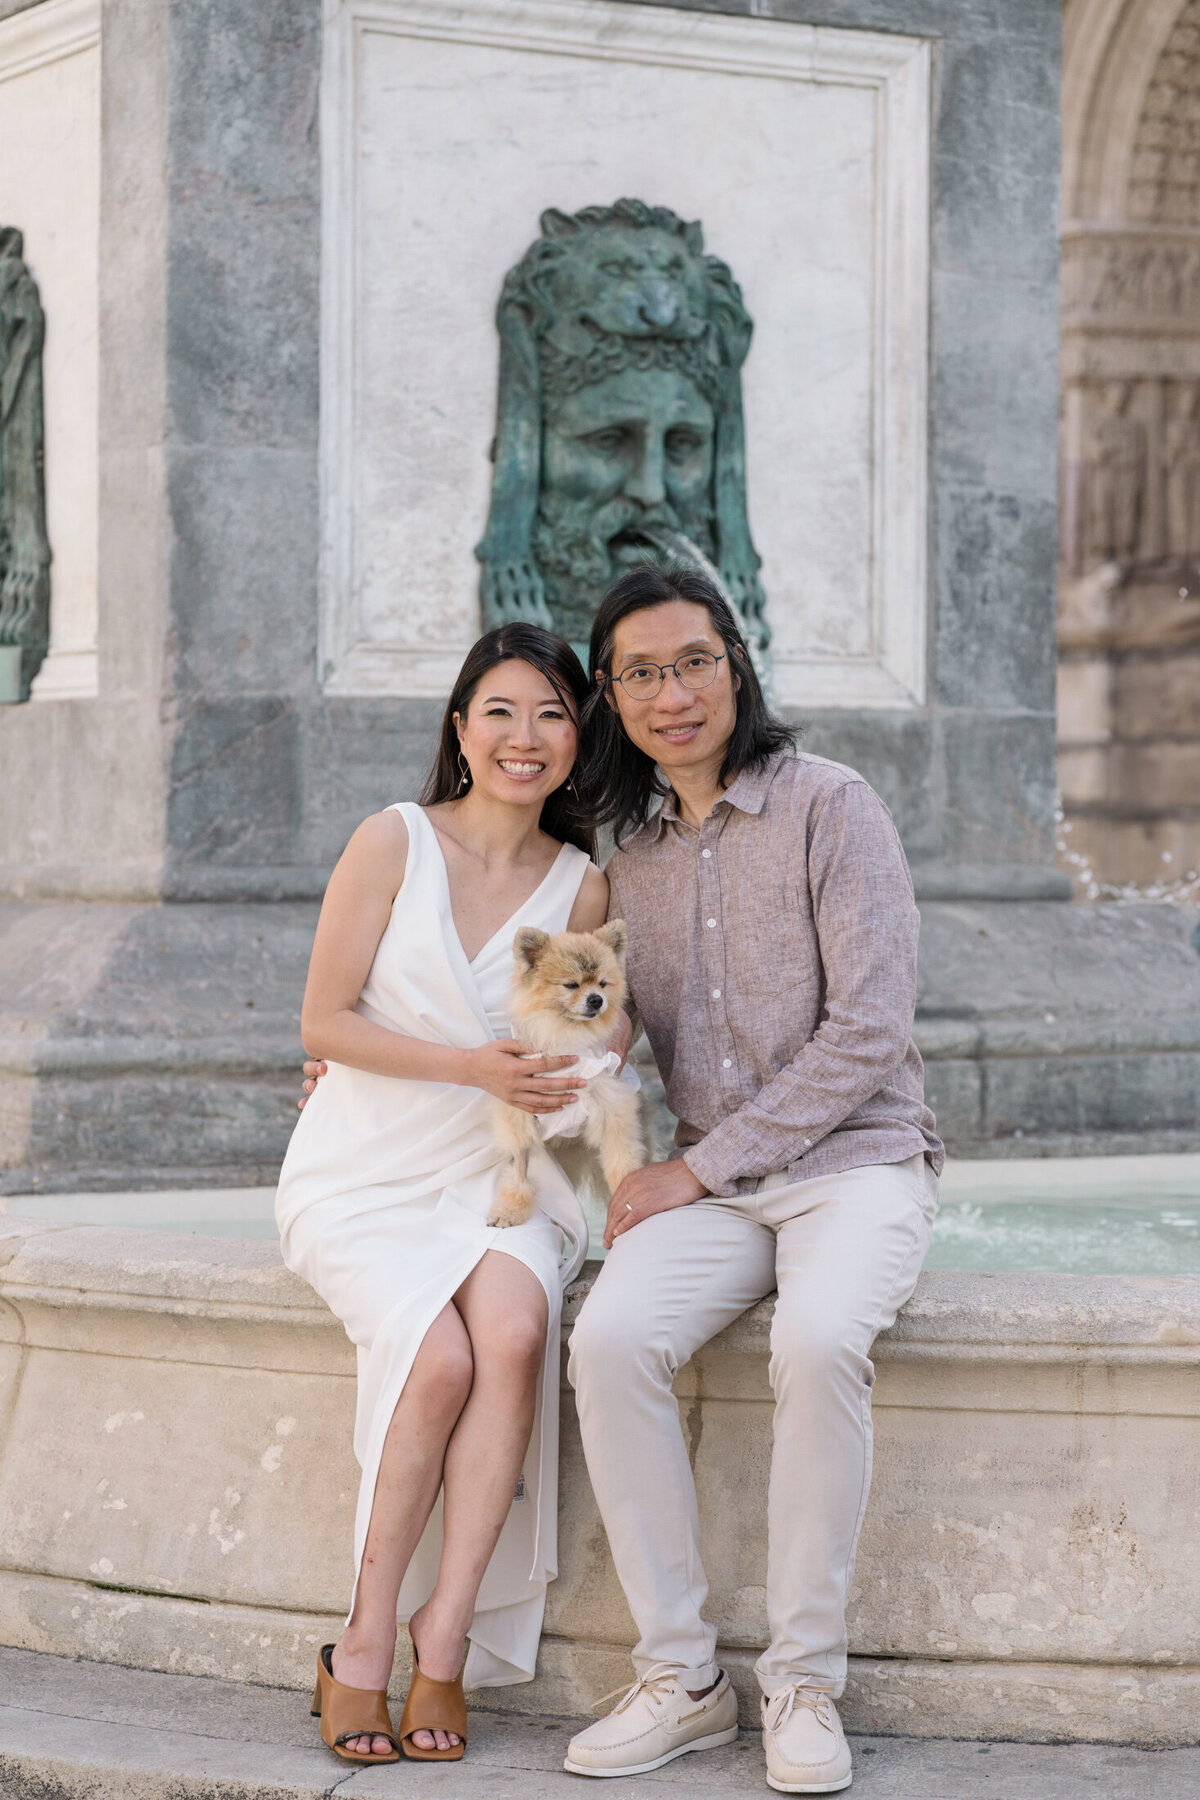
[602,984]
[570,984]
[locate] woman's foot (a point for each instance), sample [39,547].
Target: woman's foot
[440,1644]
[360,1663]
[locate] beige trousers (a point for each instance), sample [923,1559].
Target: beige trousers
[844,1252]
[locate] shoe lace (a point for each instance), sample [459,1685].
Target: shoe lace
[780,1707]
[655,1684]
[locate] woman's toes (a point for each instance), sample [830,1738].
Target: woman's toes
[380,1746]
[424,1740]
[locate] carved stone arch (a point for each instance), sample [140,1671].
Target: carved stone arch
[1111,52]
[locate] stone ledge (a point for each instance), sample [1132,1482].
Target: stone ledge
[109,1267]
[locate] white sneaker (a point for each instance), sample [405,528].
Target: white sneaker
[806,1748]
[652,1723]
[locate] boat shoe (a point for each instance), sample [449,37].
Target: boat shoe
[652,1723]
[807,1752]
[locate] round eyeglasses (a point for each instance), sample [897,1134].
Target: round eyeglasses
[698,669]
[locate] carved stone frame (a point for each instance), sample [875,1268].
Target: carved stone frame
[892,673]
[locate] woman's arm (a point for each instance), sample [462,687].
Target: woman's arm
[591,902]
[358,903]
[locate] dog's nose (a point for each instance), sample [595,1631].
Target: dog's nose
[594,1002]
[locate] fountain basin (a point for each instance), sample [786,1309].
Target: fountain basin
[177,1489]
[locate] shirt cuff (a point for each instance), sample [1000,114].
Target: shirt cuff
[708,1166]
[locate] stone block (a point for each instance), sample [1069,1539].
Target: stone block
[1145,855]
[245,226]
[1156,778]
[1084,775]
[995,598]
[243,571]
[1085,701]
[1158,697]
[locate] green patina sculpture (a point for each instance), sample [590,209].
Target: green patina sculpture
[619,435]
[24,546]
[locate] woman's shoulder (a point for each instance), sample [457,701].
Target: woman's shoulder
[379,849]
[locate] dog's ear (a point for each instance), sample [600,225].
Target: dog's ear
[528,945]
[616,935]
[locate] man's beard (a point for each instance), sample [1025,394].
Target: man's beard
[580,550]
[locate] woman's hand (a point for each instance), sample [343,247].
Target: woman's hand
[313,1072]
[506,1070]
[656,1188]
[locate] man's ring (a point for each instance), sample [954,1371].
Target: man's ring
[628,1208]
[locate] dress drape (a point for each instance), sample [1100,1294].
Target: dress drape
[382,1207]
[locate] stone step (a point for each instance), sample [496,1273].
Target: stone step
[95,1731]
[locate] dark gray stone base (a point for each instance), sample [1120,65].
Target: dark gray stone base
[159,1045]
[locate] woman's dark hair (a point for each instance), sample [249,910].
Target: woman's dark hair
[622,780]
[565,815]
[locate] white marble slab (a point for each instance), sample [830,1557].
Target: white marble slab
[447,129]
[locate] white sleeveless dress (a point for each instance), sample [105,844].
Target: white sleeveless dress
[382,1207]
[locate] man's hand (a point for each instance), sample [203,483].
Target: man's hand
[313,1072]
[656,1188]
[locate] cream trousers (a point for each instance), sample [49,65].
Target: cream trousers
[844,1252]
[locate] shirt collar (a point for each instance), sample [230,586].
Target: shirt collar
[747,791]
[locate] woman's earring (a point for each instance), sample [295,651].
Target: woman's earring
[466,773]
[573,788]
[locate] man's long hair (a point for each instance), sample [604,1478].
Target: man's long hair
[622,781]
[566,813]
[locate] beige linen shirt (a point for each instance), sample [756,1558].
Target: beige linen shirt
[773,963]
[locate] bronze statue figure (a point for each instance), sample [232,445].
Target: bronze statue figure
[24,546]
[619,434]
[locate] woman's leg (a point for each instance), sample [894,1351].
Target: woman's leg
[410,1474]
[503,1306]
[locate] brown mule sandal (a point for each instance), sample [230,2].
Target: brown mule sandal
[434,1706]
[350,1712]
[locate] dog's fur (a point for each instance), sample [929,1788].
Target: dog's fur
[567,992]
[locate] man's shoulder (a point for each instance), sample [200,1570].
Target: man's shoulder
[804,781]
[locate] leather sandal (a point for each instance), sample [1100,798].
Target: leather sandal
[434,1706]
[350,1712]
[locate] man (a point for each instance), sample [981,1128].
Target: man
[772,963]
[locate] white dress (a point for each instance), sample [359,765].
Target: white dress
[383,1203]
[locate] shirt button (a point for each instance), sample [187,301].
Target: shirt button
[716,993]
[808,1143]
[711,923]
[726,1063]
[706,853]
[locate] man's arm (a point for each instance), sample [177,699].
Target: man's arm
[867,923]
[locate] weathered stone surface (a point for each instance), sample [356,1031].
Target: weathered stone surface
[138,1736]
[202,1521]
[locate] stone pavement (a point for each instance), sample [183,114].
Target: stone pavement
[95,1731]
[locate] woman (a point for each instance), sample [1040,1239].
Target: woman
[385,1193]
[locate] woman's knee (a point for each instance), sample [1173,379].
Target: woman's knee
[518,1343]
[445,1366]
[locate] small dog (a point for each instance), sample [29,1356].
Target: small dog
[567,991]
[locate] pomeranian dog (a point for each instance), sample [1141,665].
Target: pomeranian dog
[567,992]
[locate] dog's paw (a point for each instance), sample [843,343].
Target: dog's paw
[512,1206]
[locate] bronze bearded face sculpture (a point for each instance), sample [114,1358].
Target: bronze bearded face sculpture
[619,436]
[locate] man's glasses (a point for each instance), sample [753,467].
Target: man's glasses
[698,669]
